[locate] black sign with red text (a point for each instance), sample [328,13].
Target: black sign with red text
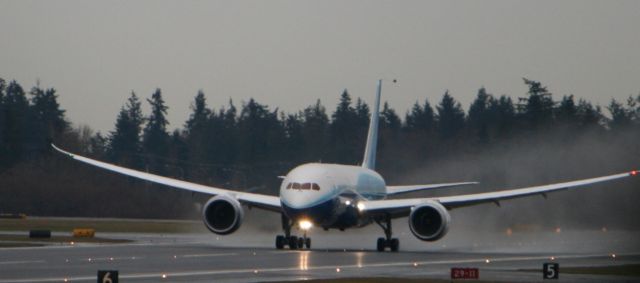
[464,273]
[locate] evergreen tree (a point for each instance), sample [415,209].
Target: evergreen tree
[47,119]
[98,146]
[16,119]
[3,125]
[621,116]
[293,128]
[124,141]
[421,118]
[345,131]
[197,134]
[260,133]
[389,119]
[362,113]
[504,115]
[450,117]
[567,110]
[587,115]
[199,116]
[155,139]
[315,131]
[226,133]
[537,107]
[481,115]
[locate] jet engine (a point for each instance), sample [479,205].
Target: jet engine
[429,221]
[222,214]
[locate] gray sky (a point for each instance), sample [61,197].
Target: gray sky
[287,54]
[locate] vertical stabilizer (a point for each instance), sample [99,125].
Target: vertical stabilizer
[369,160]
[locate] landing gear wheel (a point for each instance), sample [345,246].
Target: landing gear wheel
[293,242]
[307,243]
[381,244]
[394,244]
[280,242]
[301,243]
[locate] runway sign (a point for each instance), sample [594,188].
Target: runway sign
[464,273]
[40,234]
[550,270]
[107,276]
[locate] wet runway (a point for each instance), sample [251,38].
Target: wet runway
[197,258]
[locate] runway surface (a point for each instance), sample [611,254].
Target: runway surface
[203,258]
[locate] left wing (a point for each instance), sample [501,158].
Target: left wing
[402,207]
[258,200]
[392,190]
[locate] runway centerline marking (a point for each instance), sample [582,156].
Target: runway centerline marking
[22,261]
[207,255]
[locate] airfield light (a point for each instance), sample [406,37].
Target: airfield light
[338,269]
[360,206]
[634,172]
[487,261]
[553,258]
[613,256]
[164,276]
[305,224]
[348,202]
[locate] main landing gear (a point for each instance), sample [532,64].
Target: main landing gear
[392,243]
[293,242]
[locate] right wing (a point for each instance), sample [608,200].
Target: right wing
[392,190]
[258,200]
[402,207]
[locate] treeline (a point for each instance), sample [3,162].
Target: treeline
[247,146]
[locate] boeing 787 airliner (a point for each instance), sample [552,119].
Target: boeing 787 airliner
[334,196]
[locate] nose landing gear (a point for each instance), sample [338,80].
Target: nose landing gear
[293,242]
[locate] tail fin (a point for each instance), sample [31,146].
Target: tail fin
[369,160]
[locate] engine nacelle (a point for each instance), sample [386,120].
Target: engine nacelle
[429,221]
[222,215]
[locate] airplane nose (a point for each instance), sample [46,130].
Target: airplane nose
[316,213]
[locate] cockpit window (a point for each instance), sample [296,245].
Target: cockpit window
[304,186]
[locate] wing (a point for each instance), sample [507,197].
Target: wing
[402,207]
[258,200]
[392,190]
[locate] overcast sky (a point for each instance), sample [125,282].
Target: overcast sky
[287,54]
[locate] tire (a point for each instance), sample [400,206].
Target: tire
[307,243]
[382,243]
[394,244]
[301,243]
[280,242]
[293,242]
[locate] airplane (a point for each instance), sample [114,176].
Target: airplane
[335,196]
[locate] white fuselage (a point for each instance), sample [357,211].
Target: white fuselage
[328,194]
